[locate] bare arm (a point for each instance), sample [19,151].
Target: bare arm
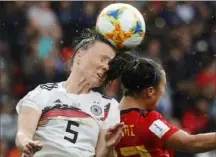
[101,149]
[108,139]
[182,141]
[27,124]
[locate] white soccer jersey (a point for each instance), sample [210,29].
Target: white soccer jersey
[69,124]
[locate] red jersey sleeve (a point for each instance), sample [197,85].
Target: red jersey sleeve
[161,129]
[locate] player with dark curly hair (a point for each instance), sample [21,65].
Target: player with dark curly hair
[146,132]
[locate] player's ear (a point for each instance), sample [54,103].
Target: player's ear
[78,56]
[150,91]
[80,53]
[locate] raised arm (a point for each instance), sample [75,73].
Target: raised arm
[185,142]
[111,131]
[174,138]
[102,150]
[29,111]
[108,139]
[27,124]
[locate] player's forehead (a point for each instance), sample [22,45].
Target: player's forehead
[103,49]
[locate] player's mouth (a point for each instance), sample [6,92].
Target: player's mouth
[100,76]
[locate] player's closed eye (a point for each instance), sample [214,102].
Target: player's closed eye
[105,59]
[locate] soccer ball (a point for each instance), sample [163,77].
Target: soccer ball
[122,25]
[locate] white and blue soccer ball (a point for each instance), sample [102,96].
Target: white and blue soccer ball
[122,25]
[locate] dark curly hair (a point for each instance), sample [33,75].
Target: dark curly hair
[135,74]
[119,64]
[140,74]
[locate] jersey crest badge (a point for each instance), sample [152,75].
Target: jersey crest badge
[96,110]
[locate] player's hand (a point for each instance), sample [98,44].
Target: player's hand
[113,135]
[30,148]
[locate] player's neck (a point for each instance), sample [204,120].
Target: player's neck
[76,84]
[130,102]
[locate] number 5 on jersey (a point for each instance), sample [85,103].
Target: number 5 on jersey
[69,130]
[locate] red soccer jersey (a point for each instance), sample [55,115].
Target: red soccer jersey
[145,134]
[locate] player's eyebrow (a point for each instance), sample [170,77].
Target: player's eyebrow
[105,57]
[108,56]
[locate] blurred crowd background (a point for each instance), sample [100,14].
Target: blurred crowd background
[36,45]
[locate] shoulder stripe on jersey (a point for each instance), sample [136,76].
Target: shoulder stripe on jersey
[59,106]
[49,86]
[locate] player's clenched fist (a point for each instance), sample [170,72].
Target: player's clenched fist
[113,135]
